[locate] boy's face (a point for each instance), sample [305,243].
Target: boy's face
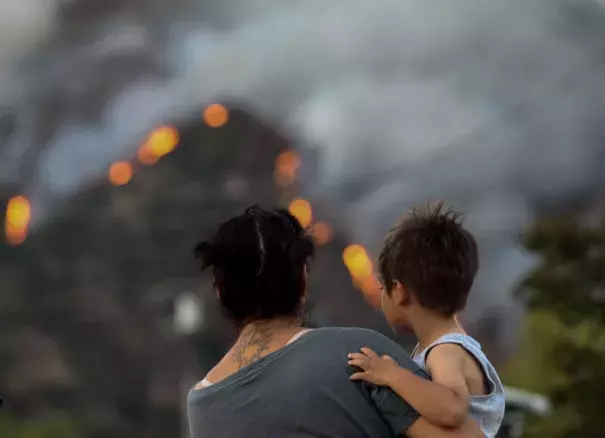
[394,308]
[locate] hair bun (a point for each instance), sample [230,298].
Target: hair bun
[300,250]
[291,220]
[209,254]
[201,250]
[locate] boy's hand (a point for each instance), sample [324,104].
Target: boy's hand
[376,369]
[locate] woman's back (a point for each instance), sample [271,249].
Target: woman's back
[304,390]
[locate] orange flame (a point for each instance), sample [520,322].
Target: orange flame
[357,261]
[301,209]
[160,142]
[120,173]
[360,266]
[216,115]
[145,156]
[321,232]
[286,168]
[18,217]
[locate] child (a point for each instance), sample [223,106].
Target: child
[427,266]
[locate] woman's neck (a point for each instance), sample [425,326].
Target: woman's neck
[274,324]
[256,340]
[259,338]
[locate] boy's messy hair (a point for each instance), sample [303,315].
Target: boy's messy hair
[433,256]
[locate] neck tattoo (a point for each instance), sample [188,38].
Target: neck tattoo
[255,341]
[252,345]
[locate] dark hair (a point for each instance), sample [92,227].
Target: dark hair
[431,254]
[258,260]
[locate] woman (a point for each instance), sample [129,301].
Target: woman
[280,379]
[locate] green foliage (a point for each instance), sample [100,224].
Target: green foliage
[563,354]
[47,428]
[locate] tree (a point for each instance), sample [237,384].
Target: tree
[87,336]
[563,354]
[89,296]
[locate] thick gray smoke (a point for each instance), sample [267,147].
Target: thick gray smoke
[498,106]
[23,26]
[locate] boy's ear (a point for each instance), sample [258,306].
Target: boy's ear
[400,294]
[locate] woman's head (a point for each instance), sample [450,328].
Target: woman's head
[258,260]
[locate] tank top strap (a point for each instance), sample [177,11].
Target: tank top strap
[298,335]
[205,382]
[415,351]
[467,342]
[472,347]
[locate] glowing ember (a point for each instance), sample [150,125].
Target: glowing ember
[18,216]
[286,167]
[360,267]
[162,141]
[370,288]
[288,159]
[321,232]
[301,209]
[216,115]
[146,156]
[357,261]
[120,173]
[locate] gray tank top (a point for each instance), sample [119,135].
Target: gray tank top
[487,410]
[303,390]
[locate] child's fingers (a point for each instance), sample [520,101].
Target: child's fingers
[368,352]
[357,356]
[359,363]
[359,376]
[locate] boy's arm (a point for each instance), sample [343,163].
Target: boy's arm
[445,400]
[440,404]
[421,428]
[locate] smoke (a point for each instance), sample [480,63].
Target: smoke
[23,25]
[497,106]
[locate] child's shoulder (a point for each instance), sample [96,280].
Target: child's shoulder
[479,373]
[448,353]
[456,345]
[449,350]
[456,341]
